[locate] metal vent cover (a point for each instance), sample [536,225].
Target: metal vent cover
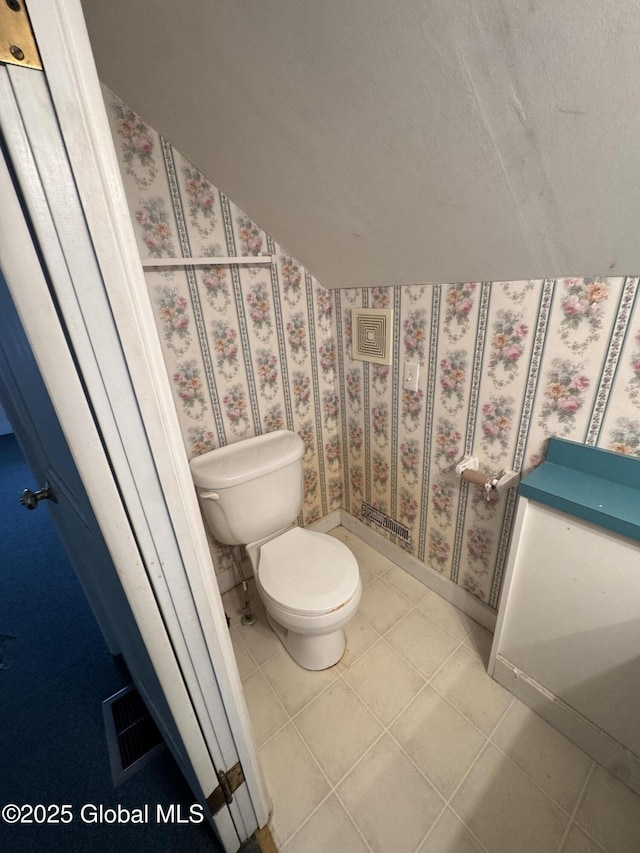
[372,331]
[386,522]
[133,738]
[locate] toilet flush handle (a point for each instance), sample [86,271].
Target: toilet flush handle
[212,496]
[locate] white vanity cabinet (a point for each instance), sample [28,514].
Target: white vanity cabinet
[567,640]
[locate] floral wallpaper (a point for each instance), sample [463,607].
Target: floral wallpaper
[503,366]
[248,349]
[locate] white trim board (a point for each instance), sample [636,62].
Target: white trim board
[593,740]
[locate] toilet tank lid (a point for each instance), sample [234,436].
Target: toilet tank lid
[245,460]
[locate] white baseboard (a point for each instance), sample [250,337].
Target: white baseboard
[450,591]
[607,751]
[327,522]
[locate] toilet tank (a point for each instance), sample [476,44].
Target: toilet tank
[250,489]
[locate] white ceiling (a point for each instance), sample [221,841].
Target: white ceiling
[401,141]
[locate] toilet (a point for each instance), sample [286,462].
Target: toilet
[251,493]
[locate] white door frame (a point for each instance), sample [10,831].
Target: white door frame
[104,302]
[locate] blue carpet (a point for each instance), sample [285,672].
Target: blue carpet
[55,671]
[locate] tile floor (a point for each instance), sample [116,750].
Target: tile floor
[407,744]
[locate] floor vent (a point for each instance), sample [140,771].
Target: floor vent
[386,522]
[133,738]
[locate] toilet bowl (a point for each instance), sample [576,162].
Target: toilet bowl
[251,493]
[310,586]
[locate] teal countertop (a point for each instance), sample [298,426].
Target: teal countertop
[595,485]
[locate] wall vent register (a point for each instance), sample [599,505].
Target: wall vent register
[372,330]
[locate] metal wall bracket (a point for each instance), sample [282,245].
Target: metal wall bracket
[17,43]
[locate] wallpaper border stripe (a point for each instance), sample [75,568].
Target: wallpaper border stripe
[478,358]
[280,336]
[618,336]
[192,284]
[313,349]
[242,318]
[427,445]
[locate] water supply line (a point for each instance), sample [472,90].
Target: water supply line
[247,617]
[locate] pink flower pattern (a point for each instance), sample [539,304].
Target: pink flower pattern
[458,307]
[291,280]
[582,306]
[190,390]
[153,220]
[625,437]
[564,393]
[136,145]
[453,375]
[415,334]
[438,551]
[497,421]
[507,346]
[267,372]
[201,198]
[633,386]
[174,319]
[250,236]
[447,444]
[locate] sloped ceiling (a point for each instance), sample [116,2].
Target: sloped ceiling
[401,141]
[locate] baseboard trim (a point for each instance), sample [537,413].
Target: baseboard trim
[607,751]
[450,591]
[327,522]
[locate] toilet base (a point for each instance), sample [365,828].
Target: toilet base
[311,651]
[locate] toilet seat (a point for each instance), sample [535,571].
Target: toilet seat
[307,573]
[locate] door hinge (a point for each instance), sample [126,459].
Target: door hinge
[230,781]
[17,43]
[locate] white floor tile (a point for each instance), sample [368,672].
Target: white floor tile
[381,606]
[338,729]
[480,641]
[440,741]
[610,812]
[364,553]
[244,659]
[266,713]
[578,841]
[466,684]
[384,681]
[450,836]
[260,639]
[498,808]
[360,637]
[445,614]
[295,686]
[294,780]
[406,584]
[422,642]
[505,810]
[552,761]
[390,801]
[328,830]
